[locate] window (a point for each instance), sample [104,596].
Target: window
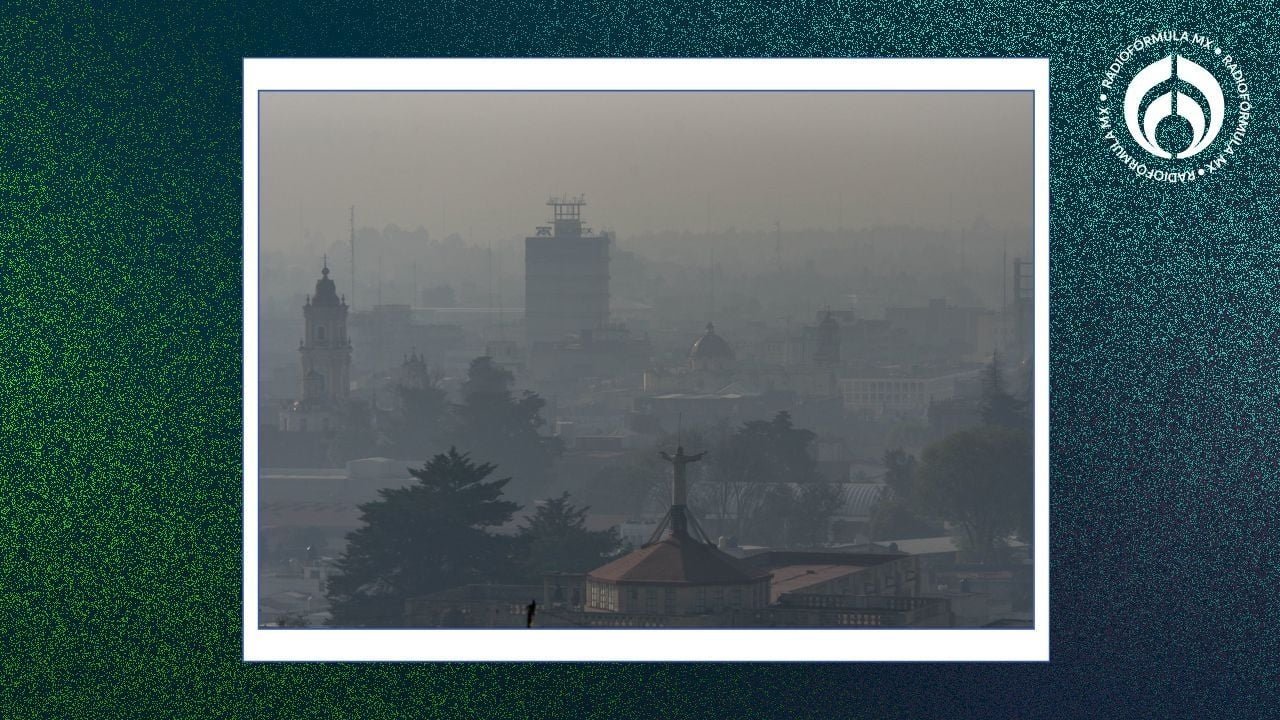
[320,333]
[737,597]
[670,599]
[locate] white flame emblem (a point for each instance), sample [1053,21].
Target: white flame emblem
[1142,121]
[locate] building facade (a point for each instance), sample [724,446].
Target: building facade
[566,275]
[325,357]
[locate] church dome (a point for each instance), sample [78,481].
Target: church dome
[326,291]
[710,349]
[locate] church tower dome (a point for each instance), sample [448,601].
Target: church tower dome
[326,291]
[710,352]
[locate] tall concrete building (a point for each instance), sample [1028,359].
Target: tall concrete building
[566,275]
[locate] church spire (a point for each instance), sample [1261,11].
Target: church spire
[326,290]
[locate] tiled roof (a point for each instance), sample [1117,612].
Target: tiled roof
[795,578]
[679,560]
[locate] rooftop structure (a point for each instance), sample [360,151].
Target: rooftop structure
[566,275]
[710,352]
[679,571]
[325,358]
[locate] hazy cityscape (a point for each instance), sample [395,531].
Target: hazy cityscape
[645,360]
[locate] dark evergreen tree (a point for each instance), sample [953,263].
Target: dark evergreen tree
[503,429]
[429,536]
[556,539]
[999,406]
[765,451]
[419,424]
[354,437]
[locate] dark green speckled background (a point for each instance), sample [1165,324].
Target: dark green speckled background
[120,202]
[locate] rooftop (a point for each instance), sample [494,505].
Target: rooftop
[795,578]
[678,559]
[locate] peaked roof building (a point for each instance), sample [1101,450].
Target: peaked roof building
[679,571]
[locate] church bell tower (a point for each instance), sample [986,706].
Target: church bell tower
[325,348]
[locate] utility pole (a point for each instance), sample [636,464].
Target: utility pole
[353,256]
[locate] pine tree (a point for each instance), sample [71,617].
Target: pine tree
[429,536]
[999,407]
[493,424]
[419,423]
[556,539]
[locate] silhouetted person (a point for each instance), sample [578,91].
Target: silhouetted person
[532,608]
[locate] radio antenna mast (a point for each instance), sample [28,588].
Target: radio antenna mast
[353,256]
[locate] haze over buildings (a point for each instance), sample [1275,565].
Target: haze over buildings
[649,162]
[813,289]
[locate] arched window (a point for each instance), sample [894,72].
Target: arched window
[320,333]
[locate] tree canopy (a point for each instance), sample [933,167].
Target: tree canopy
[769,451]
[765,475]
[896,514]
[981,479]
[556,539]
[999,406]
[493,424]
[419,423]
[423,538]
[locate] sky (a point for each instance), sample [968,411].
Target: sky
[483,165]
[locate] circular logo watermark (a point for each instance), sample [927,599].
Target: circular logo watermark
[1174,106]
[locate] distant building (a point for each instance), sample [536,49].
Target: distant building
[948,331]
[325,355]
[317,507]
[566,275]
[889,393]
[413,371]
[710,353]
[709,365]
[680,579]
[828,352]
[384,334]
[609,352]
[671,410]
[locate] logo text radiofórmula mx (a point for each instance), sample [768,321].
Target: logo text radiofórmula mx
[1174,106]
